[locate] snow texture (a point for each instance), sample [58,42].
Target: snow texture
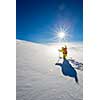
[38,78]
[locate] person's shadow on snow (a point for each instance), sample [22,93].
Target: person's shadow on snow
[68,70]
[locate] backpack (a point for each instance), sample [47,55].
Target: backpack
[65,50]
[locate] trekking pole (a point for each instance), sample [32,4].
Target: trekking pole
[58,58]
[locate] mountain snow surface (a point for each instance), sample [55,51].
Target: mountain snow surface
[38,78]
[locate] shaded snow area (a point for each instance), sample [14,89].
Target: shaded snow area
[40,77]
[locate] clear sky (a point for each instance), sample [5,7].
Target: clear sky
[39,20]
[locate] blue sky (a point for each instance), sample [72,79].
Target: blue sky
[37,20]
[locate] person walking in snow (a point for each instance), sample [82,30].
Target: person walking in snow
[64,51]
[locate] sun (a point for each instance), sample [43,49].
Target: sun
[61,35]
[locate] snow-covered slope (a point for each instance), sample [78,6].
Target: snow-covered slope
[38,78]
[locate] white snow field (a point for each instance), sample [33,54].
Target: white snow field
[37,76]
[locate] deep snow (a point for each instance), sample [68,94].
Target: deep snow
[38,78]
